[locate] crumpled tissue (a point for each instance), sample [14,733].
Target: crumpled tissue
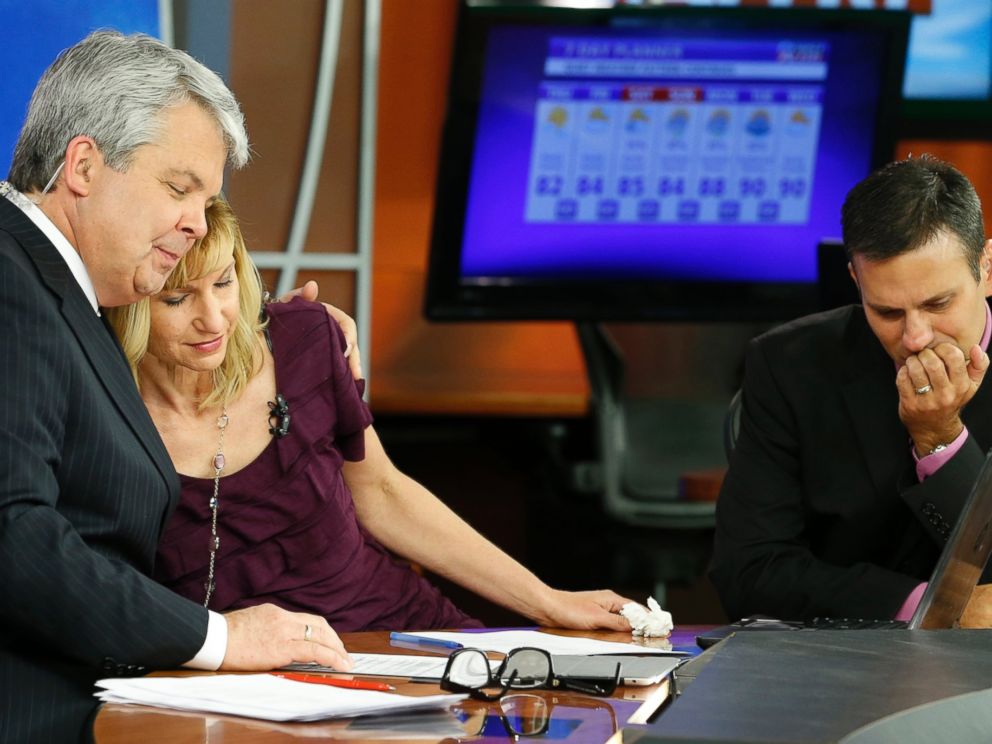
[650,621]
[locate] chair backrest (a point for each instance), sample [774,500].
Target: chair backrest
[732,424]
[834,284]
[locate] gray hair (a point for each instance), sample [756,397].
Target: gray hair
[113,88]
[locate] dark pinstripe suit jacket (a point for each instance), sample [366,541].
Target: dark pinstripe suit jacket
[85,487]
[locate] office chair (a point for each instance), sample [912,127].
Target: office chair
[644,446]
[834,289]
[834,284]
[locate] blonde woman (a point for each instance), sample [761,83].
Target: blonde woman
[287,494]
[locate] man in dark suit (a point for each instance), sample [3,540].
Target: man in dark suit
[863,428]
[123,148]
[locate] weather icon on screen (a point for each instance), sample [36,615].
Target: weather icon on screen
[558,117]
[598,121]
[799,123]
[759,124]
[555,124]
[638,121]
[719,123]
[677,123]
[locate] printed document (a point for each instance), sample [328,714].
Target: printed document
[504,641]
[388,665]
[262,696]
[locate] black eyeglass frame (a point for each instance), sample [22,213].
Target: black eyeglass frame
[552,681]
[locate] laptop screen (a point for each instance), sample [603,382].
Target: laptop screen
[963,560]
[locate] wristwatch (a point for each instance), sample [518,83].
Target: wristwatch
[937,448]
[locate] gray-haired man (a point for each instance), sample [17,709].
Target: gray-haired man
[123,148]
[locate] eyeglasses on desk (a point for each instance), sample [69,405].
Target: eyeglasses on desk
[469,670]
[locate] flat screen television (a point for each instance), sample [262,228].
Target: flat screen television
[646,163]
[948,85]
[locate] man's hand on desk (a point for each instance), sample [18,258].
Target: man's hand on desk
[585,610]
[268,637]
[978,613]
[310,291]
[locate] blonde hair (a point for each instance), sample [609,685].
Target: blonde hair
[132,323]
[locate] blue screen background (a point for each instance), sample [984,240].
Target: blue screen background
[35,31]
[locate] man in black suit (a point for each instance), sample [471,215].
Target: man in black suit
[123,148]
[863,428]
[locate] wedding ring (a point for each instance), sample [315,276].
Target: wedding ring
[307,632]
[924,390]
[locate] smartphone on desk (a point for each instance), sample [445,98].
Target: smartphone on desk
[756,622]
[639,671]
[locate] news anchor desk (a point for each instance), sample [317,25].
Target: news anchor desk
[849,686]
[543,714]
[798,687]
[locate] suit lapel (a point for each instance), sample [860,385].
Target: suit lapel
[872,402]
[100,347]
[111,368]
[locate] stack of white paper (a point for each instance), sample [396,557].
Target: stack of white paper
[262,696]
[389,665]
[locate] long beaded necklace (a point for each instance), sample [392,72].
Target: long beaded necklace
[218,463]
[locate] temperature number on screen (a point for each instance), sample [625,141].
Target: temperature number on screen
[794,187]
[752,187]
[630,186]
[589,185]
[711,186]
[549,185]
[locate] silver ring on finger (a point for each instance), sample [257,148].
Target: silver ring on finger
[924,390]
[307,632]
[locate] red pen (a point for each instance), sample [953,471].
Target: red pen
[354,684]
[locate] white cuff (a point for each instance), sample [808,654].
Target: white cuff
[214,648]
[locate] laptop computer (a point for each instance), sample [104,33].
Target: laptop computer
[955,576]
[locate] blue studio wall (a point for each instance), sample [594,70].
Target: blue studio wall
[35,32]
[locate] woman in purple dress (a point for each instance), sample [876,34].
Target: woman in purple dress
[287,494]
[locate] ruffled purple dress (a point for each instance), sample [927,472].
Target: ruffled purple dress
[287,525]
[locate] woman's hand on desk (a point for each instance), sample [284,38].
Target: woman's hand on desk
[585,610]
[268,637]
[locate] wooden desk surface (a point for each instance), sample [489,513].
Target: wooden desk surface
[571,717]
